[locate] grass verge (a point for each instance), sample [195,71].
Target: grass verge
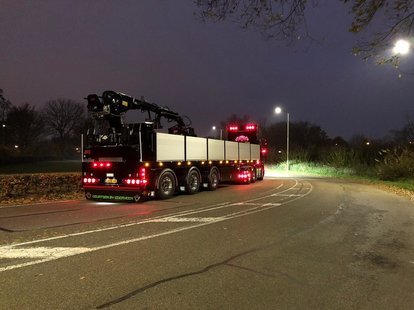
[403,187]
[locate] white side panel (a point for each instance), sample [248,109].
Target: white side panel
[255,152]
[244,151]
[232,150]
[170,147]
[215,149]
[196,148]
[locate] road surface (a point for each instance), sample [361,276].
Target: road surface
[276,244]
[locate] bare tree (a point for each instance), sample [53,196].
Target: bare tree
[278,19]
[25,126]
[405,135]
[63,118]
[5,105]
[380,21]
[383,21]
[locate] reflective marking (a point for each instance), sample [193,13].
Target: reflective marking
[40,252]
[188,219]
[275,204]
[286,195]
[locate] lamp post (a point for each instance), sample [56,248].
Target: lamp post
[221,131]
[3,133]
[278,110]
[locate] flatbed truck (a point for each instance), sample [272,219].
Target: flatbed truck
[132,161]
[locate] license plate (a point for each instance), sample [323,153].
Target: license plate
[111,181]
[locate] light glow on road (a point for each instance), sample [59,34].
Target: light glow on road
[251,206]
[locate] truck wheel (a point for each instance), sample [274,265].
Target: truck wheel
[192,184]
[253,177]
[166,185]
[260,178]
[213,179]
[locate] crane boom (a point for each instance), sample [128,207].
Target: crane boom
[113,105]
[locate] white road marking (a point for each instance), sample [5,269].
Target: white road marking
[187,219]
[40,252]
[256,204]
[46,254]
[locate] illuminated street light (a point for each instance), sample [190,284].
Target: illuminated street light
[401,47]
[278,110]
[221,132]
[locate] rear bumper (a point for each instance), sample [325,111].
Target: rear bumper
[114,193]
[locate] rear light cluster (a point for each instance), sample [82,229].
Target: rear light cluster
[90,180]
[250,127]
[264,151]
[141,180]
[135,181]
[244,175]
[101,164]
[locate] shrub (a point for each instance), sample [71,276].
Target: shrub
[339,157]
[395,164]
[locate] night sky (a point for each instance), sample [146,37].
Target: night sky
[161,50]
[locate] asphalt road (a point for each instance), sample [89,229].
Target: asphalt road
[276,244]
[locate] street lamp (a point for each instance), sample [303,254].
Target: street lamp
[278,110]
[401,47]
[214,128]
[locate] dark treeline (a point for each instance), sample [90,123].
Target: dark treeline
[29,134]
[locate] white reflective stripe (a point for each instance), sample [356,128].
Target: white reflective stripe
[40,252]
[188,219]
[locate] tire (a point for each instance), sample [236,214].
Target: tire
[261,175]
[166,185]
[213,179]
[192,182]
[253,177]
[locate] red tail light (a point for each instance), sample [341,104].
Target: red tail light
[140,180]
[233,128]
[90,180]
[244,175]
[250,127]
[101,164]
[264,151]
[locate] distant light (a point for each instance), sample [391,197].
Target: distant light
[4,125]
[214,128]
[401,47]
[367,143]
[16,146]
[278,110]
